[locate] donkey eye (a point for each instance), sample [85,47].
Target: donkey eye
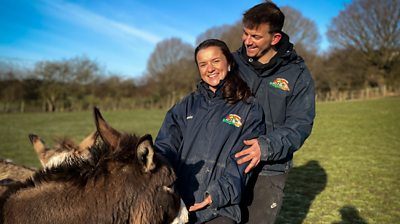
[168,189]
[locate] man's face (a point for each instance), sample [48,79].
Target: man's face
[258,41]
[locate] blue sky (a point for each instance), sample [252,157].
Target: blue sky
[121,34]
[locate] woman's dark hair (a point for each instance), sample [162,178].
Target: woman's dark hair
[234,89]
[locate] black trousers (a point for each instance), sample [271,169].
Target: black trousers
[262,199]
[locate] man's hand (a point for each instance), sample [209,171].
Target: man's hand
[252,153]
[197,206]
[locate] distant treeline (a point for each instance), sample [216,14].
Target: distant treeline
[363,61]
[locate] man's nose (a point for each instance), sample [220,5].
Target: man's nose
[247,40]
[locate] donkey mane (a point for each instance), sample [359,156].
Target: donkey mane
[78,171]
[65,144]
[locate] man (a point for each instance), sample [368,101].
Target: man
[284,87]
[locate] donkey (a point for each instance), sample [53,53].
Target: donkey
[124,181]
[65,150]
[10,171]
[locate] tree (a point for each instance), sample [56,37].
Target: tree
[63,81]
[83,73]
[302,31]
[11,91]
[371,27]
[230,34]
[170,71]
[233,36]
[82,70]
[167,52]
[51,74]
[212,33]
[343,72]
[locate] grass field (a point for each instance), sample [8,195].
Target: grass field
[347,172]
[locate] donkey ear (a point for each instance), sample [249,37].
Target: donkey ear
[109,135]
[39,147]
[145,153]
[86,144]
[88,141]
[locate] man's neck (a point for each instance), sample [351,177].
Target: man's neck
[267,56]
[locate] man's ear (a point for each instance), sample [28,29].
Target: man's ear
[276,38]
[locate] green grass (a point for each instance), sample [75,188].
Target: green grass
[15,128]
[348,171]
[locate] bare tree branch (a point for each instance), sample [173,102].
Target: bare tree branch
[168,52]
[373,28]
[302,31]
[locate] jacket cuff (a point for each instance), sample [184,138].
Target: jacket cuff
[214,197]
[264,147]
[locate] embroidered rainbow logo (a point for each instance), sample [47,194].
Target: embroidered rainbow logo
[233,119]
[280,83]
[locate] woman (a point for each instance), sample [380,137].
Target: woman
[201,134]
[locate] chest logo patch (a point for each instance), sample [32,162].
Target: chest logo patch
[233,119]
[280,83]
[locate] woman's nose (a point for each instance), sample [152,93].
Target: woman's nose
[210,67]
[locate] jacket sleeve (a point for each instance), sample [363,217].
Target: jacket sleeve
[229,187]
[169,137]
[300,112]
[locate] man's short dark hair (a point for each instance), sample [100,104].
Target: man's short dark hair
[266,12]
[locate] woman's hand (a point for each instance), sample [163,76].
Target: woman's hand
[197,206]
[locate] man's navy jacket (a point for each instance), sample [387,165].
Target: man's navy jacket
[286,93]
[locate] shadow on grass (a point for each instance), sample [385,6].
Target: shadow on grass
[350,215]
[304,183]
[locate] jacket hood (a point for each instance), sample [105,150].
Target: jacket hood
[285,54]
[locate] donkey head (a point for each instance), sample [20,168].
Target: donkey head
[113,138]
[65,149]
[158,201]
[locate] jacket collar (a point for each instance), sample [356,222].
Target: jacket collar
[284,54]
[205,90]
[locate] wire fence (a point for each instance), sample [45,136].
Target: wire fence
[360,94]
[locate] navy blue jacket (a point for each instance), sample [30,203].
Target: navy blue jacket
[199,137]
[285,90]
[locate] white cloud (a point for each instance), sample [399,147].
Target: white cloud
[82,17]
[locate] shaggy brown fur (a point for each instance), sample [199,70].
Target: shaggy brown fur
[62,151]
[123,182]
[12,171]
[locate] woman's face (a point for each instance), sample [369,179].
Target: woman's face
[212,66]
